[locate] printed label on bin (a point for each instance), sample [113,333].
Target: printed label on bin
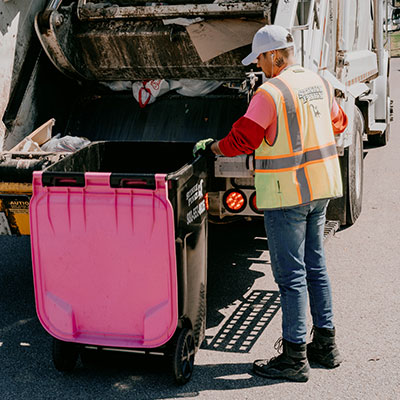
[196,212]
[195,193]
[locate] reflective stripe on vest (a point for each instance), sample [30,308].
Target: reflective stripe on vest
[291,115]
[300,166]
[303,186]
[276,164]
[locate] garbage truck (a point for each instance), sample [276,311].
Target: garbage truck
[171,72]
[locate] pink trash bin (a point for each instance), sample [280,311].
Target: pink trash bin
[119,251]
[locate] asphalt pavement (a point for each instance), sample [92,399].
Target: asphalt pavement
[243,316]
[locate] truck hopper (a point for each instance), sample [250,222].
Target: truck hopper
[128,40]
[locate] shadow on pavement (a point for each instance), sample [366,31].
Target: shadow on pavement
[17,302]
[242,329]
[221,377]
[130,372]
[233,248]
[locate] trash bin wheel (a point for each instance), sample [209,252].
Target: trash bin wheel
[183,356]
[89,357]
[65,355]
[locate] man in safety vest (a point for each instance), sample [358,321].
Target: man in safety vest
[290,125]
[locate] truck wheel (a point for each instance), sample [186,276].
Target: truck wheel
[65,355]
[354,158]
[183,356]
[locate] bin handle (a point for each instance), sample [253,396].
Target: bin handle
[63,179]
[133,182]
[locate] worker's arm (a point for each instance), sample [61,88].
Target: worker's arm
[247,132]
[339,118]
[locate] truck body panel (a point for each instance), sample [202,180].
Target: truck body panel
[16,51]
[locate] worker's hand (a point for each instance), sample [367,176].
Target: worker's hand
[203,147]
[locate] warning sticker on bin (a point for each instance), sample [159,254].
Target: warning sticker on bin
[196,212]
[195,193]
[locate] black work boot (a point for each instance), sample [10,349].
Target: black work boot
[292,364]
[323,349]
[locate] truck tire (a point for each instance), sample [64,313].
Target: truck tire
[347,209]
[354,158]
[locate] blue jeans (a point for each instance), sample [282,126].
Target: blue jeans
[295,241]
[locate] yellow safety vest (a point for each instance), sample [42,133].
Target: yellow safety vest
[302,164]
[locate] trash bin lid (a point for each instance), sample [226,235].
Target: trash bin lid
[104,262]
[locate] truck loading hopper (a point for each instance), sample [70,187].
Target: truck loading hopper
[128,40]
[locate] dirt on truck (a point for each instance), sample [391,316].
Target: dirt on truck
[78,72]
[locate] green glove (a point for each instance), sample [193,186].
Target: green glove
[203,146]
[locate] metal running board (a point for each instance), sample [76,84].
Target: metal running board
[330,229]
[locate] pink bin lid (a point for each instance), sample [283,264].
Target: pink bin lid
[104,262]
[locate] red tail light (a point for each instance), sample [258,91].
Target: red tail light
[235,201]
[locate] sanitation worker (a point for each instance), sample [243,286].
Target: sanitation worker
[290,125]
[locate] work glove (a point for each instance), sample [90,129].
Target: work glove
[203,147]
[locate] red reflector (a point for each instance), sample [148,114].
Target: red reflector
[235,201]
[253,204]
[206,201]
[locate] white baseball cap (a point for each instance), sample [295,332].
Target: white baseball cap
[267,38]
